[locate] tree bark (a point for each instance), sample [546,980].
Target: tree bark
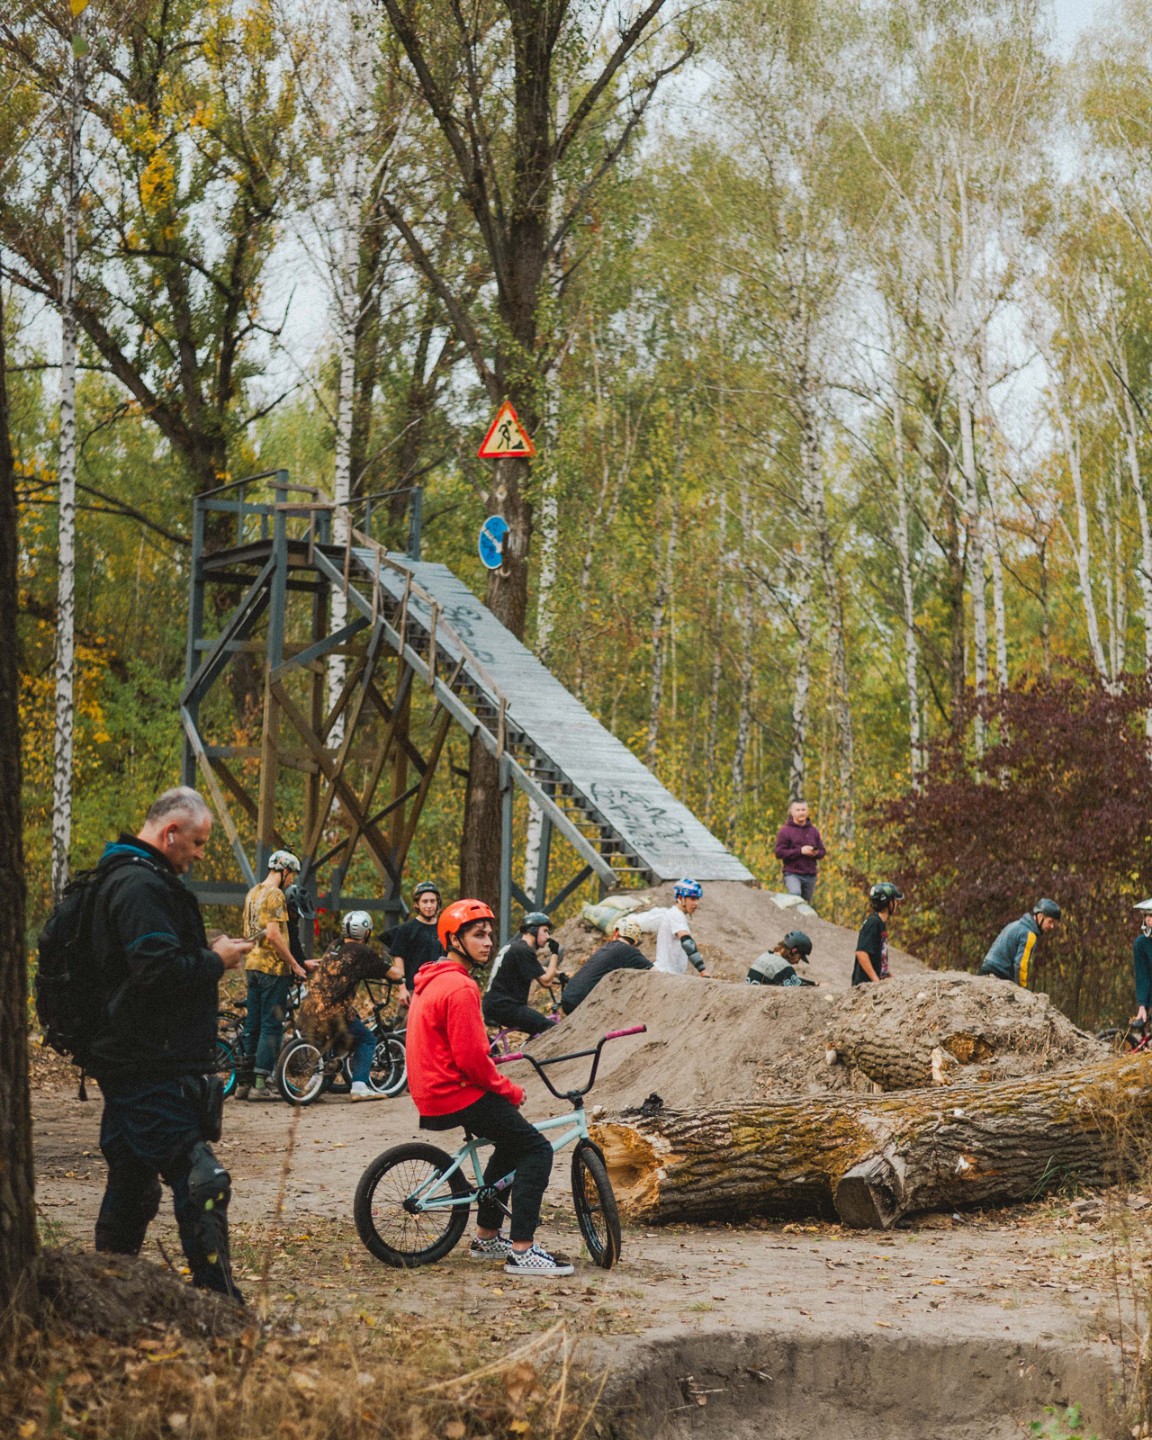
[17,1196]
[665,562]
[907,588]
[1083,543]
[65,658]
[870,1161]
[744,704]
[480,835]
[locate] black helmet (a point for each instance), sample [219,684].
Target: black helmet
[533,921]
[1047,907]
[296,898]
[797,940]
[426,887]
[884,893]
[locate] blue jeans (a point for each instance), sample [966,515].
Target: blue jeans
[147,1134]
[802,885]
[363,1049]
[264,1023]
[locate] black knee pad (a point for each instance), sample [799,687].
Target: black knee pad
[209,1184]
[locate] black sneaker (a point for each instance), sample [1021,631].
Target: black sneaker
[535,1262]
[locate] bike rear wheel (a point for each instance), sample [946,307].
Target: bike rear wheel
[301,1074]
[387,1219]
[595,1205]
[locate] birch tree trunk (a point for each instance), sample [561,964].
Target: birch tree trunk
[1083,545]
[712,737]
[663,589]
[65,657]
[744,709]
[801,684]
[1127,414]
[346,287]
[841,699]
[907,588]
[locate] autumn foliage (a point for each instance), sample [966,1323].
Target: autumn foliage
[1059,807]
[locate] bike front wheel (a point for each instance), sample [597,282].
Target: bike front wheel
[301,1074]
[595,1205]
[389,1206]
[224,1065]
[389,1072]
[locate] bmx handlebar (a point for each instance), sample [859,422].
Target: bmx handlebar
[538,1065]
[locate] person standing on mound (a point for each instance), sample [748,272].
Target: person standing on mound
[453,1082]
[800,848]
[872,946]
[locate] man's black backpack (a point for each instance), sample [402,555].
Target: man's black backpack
[71,990]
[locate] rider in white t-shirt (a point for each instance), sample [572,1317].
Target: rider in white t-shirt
[675,947]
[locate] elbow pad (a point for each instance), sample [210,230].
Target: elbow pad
[694,956]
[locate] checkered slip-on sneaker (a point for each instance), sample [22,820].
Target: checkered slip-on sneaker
[536,1264]
[490,1247]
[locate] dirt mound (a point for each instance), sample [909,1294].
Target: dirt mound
[713,1043]
[736,923]
[949,1028]
[121,1296]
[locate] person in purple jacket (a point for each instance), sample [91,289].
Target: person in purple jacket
[799,846]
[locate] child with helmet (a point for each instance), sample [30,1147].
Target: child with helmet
[778,966]
[328,1017]
[453,1082]
[518,967]
[622,952]
[415,941]
[872,943]
[675,947]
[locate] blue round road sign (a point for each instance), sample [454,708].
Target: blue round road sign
[491,545]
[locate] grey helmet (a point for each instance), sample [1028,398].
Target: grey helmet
[1047,907]
[358,925]
[798,941]
[284,860]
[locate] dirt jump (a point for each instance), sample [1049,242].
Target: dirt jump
[729,1315]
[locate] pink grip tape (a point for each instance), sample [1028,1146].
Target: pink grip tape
[632,1030]
[507,1059]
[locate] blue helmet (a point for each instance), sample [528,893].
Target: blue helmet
[688,889]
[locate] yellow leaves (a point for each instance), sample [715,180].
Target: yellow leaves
[78,7]
[158,182]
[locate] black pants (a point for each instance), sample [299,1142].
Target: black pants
[519,1146]
[498,1011]
[147,1134]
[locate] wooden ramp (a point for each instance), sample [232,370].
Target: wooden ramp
[561,745]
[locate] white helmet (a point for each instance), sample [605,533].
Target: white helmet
[358,925]
[1145,907]
[284,860]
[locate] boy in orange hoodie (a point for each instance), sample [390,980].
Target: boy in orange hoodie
[453,1082]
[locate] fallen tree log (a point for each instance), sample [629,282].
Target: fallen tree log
[952,1028]
[872,1160]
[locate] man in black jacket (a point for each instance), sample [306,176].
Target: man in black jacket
[154,1052]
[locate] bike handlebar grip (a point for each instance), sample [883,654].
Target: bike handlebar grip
[507,1059]
[632,1030]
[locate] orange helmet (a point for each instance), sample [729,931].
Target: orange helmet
[454,917]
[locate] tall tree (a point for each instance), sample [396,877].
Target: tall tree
[488,76]
[17,1207]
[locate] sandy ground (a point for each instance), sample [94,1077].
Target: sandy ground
[1031,1274]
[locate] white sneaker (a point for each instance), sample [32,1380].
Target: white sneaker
[536,1262]
[360,1091]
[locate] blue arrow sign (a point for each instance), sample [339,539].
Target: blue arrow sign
[491,544]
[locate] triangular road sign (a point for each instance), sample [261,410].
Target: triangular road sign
[506,436]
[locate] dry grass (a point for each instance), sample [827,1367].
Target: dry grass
[350,1384]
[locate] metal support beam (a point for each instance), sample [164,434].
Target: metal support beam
[506,796]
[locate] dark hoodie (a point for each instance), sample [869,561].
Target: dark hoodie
[789,840]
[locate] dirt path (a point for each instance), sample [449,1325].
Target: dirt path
[1028,1275]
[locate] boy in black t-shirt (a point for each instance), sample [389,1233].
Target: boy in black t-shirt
[620,953]
[416,942]
[516,968]
[872,946]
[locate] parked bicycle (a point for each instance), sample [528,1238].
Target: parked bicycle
[232,1057]
[505,1040]
[412,1202]
[304,1072]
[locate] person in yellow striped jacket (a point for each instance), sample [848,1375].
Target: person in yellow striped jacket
[1012,955]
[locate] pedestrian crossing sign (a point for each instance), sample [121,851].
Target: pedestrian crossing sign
[506,437]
